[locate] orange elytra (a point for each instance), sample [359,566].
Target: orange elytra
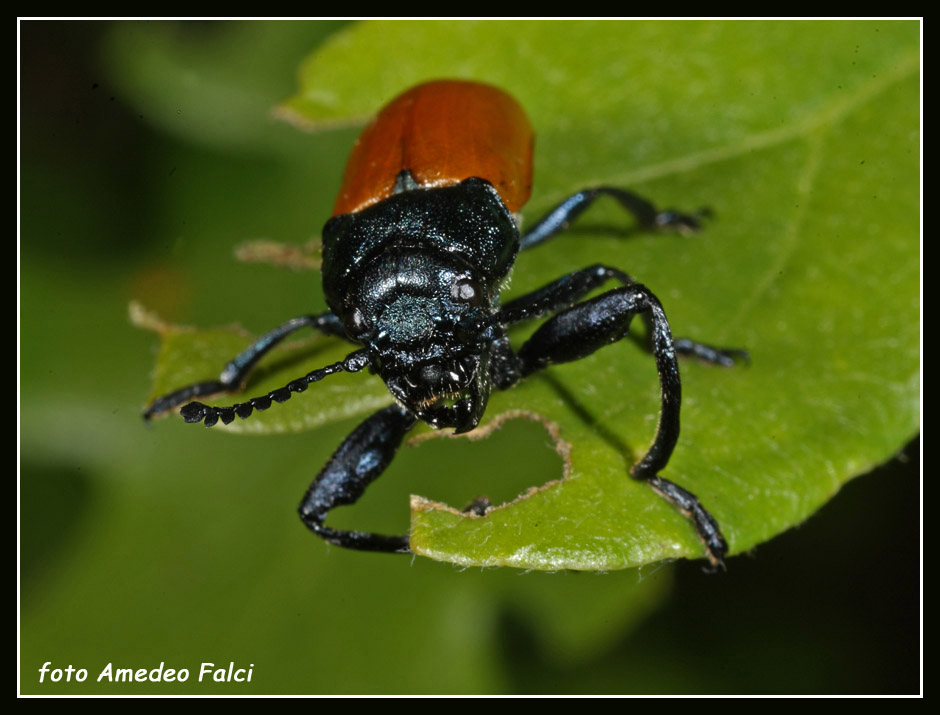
[442,132]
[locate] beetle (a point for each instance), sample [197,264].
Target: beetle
[422,237]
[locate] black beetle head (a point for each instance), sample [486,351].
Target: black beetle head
[425,318]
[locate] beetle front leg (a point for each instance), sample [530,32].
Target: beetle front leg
[236,371]
[359,461]
[586,327]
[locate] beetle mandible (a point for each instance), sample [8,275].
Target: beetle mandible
[423,235]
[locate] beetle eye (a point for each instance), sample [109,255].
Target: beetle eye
[464,290]
[356,324]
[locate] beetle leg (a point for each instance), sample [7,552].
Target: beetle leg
[569,289]
[559,294]
[359,461]
[580,330]
[649,217]
[235,372]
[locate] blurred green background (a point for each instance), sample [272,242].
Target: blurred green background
[173,544]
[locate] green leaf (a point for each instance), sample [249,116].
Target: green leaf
[804,140]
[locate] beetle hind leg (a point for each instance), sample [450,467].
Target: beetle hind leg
[359,461]
[647,215]
[583,328]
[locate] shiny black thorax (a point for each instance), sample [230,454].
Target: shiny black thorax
[415,278]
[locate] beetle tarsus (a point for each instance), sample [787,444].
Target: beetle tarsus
[674,221]
[726,357]
[478,507]
[705,524]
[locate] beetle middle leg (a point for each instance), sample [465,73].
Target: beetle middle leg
[582,329]
[359,461]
